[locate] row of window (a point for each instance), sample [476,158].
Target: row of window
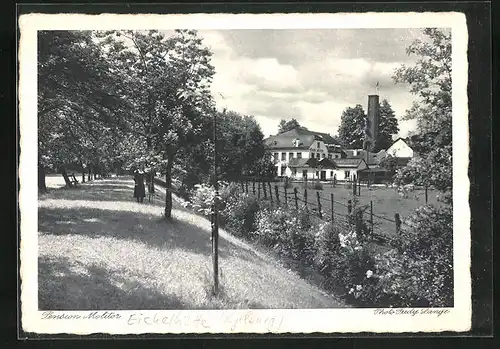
[299,156]
[304,173]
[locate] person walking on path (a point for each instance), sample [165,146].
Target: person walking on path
[139,188]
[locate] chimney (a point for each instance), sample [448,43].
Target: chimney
[373,117]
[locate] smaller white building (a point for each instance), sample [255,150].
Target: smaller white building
[400,149]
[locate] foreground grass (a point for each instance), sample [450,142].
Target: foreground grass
[98,249]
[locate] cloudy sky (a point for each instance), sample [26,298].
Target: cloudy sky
[311,75]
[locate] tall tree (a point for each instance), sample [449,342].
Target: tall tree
[430,80]
[350,131]
[79,101]
[287,125]
[173,107]
[241,145]
[388,126]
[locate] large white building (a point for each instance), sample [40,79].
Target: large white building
[301,153]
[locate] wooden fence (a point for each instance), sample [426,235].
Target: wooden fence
[325,207]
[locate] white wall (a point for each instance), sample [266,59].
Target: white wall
[400,149]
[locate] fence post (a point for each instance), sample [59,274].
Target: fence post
[354,185]
[349,206]
[371,215]
[333,213]
[426,196]
[253,186]
[305,197]
[264,190]
[286,197]
[398,222]
[319,205]
[258,189]
[277,195]
[270,191]
[296,198]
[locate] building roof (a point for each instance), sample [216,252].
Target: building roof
[283,142]
[295,162]
[304,137]
[348,162]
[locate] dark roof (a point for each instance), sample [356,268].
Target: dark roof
[406,140]
[280,141]
[311,162]
[300,131]
[295,162]
[374,169]
[306,139]
[350,162]
[327,163]
[373,158]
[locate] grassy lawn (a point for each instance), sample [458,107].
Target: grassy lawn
[386,202]
[98,249]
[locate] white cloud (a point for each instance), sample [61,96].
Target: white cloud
[321,78]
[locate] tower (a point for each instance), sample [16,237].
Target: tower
[372,122]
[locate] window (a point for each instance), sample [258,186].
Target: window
[283,156]
[329,156]
[312,155]
[299,155]
[317,145]
[347,174]
[317,174]
[331,174]
[304,174]
[319,156]
[283,170]
[323,155]
[275,156]
[291,156]
[294,171]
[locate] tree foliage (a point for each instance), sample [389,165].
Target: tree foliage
[287,125]
[430,80]
[242,141]
[350,131]
[173,104]
[79,102]
[388,126]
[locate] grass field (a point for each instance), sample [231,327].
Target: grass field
[98,249]
[386,202]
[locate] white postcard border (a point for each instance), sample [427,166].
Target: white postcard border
[457,318]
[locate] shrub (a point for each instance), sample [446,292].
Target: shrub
[318,185]
[202,198]
[419,272]
[286,231]
[239,214]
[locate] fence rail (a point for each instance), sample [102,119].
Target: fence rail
[323,207]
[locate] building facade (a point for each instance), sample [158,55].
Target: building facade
[302,154]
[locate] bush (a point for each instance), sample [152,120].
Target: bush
[202,198]
[318,185]
[239,214]
[419,272]
[286,231]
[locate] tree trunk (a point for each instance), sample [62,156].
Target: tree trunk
[168,188]
[152,184]
[66,178]
[41,179]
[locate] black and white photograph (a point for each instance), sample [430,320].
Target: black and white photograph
[244,176]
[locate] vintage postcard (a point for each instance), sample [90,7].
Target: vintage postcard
[244,173]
